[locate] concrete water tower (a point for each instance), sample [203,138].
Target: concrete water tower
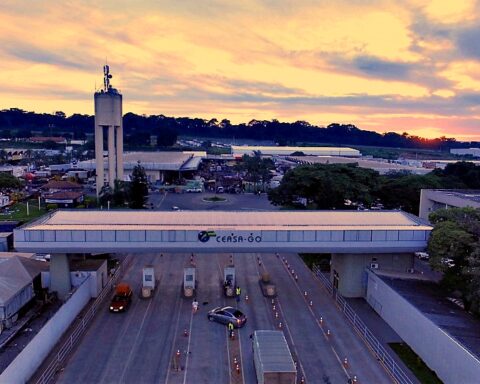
[108,117]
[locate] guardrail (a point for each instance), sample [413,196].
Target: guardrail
[75,334]
[372,342]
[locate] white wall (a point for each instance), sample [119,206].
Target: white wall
[452,363]
[28,361]
[78,277]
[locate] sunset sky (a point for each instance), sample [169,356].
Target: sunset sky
[398,66]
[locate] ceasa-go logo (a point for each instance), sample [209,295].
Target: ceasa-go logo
[204,236]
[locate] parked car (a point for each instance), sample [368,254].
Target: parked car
[42,256]
[226,315]
[175,208]
[422,255]
[447,262]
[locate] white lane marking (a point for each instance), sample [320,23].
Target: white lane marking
[135,343]
[287,329]
[226,328]
[161,201]
[240,357]
[228,357]
[188,348]
[125,326]
[317,321]
[172,349]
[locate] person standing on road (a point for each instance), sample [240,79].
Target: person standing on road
[195,306]
[238,292]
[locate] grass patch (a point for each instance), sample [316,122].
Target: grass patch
[18,211]
[424,374]
[214,199]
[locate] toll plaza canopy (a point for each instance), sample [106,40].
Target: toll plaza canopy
[84,231]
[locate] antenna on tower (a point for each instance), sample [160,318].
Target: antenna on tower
[106,78]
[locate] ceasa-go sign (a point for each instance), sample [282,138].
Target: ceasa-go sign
[247,237]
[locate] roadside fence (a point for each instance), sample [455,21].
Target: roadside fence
[76,332]
[372,342]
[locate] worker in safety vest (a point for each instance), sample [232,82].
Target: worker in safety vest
[230,327]
[238,292]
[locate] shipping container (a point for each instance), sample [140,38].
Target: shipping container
[273,361]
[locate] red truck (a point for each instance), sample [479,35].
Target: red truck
[122,299]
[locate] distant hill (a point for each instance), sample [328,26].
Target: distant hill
[15,122]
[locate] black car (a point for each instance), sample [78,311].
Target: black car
[226,315]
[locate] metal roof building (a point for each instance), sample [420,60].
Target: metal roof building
[381,167]
[318,151]
[433,199]
[154,163]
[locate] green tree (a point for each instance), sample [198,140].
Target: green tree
[257,169]
[138,188]
[105,196]
[456,236]
[119,195]
[403,191]
[472,272]
[9,181]
[325,186]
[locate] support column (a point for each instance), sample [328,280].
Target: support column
[60,275]
[99,156]
[350,268]
[119,132]
[111,157]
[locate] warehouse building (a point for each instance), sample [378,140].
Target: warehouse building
[433,199]
[285,151]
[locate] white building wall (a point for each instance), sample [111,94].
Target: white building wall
[451,362]
[466,151]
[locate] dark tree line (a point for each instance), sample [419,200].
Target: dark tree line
[138,128]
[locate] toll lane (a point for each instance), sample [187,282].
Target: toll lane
[141,345]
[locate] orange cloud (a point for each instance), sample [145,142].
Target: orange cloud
[382,66]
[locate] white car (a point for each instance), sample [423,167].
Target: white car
[422,255]
[42,257]
[447,262]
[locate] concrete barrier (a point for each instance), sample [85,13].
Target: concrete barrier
[452,362]
[32,356]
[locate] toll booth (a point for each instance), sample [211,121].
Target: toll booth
[189,282]
[229,282]
[148,281]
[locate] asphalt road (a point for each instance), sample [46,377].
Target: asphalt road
[194,201]
[140,346]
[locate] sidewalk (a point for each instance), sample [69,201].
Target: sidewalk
[382,331]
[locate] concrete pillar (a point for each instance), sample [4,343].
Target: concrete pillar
[99,156]
[119,137]
[350,268]
[112,164]
[60,275]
